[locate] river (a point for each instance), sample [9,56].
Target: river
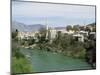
[44,61]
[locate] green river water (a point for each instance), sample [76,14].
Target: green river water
[43,61]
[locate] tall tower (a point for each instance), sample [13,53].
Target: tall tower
[46,28]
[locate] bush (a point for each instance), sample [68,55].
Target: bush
[20,65]
[69,46]
[79,52]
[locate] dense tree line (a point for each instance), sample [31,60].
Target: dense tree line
[90,46]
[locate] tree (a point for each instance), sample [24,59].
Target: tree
[43,35]
[91,52]
[14,34]
[31,41]
[76,27]
[88,29]
[69,27]
[94,29]
[82,28]
[43,32]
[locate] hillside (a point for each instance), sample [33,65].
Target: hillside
[26,28]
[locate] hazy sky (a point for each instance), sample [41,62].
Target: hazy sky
[56,14]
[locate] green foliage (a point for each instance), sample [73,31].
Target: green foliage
[71,47]
[16,53]
[42,36]
[20,65]
[43,32]
[31,41]
[94,29]
[22,42]
[88,29]
[78,52]
[19,62]
[76,27]
[82,28]
[15,36]
[69,28]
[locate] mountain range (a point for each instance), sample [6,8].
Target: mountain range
[26,28]
[35,27]
[29,28]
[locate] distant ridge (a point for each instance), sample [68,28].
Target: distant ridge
[35,27]
[92,24]
[26,28]
[60,28]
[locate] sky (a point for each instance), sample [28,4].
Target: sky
[52,14]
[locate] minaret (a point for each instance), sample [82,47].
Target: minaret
[46,28]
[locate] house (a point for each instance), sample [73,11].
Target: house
[22,35]
[85,33]
[52,33]
[79,37]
